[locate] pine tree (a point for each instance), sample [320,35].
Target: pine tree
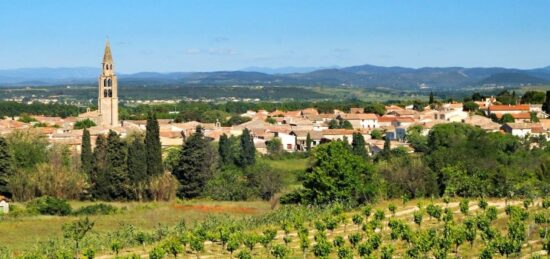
[224,150]
[248,151]
[117,170]
[358,145]
[196,165]
[546,105]
[6,167]
[86,155]
[431,98]
[308,142]
[137,163]
[153,146]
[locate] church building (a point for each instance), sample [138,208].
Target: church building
[107,95]
[107,101]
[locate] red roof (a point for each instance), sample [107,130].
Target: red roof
[521,107]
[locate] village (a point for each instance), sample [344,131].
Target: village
[293,127]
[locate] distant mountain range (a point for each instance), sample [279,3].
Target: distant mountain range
[367,76]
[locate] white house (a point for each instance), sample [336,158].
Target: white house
[519,129]
[4,205]
[287,140]
[362,120]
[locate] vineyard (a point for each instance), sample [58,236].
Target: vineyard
[408,229]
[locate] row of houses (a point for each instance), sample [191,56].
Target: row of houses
[293,127]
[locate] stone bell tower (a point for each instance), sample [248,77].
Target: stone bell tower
[107,101]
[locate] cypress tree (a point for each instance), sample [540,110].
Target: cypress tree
[546,105]
[308,142]
[431,98]
[6,167]
[117,170]
[387,144]
[196,165]
[248,151]
[153,146]
[86,155]
[137,163]
[358,145]
[224,150]
[98,178]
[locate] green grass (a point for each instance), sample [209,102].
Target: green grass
[25,231]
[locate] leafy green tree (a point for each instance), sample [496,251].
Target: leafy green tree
[345,124]
[377,108]
[376,134]
[248,151]
[417,217]
[157,253]
[274,146]
[279,251]
[86,155]
[358,145]
[6,167]
[470,106]
[387,252]
[464,206]
[224,150]
[173,246]
[196,165]
[532,97]
[84,124]
[153,146]
[338,175]
[322,249]
[76,231]
[507,118]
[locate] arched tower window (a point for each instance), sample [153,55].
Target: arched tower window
[105,82]
[105,93]
[110,83]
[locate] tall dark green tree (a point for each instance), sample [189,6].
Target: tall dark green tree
[358,145]
[308,142]
[153,146]
[86,155]
[387,144]
[98,177]
[117,170]
[546,104]
[196,165]
[431,101]
[6,167]
[248,151]
[137,162]
[224,150]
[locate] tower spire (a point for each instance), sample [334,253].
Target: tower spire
[107,57]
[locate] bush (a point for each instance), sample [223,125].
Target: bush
[96,209]
[228,184]
[47,205]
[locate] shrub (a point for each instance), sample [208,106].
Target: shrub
[163,187]
[49,206]
[96,209]
[228,184]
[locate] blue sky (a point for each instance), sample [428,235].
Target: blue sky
[207,35]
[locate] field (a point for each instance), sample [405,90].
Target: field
[18,234]
[25,231]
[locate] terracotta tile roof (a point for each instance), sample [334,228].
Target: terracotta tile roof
[404,119]
[360,116]
[337,132]
[386,118]
[521,107]
[518,116]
